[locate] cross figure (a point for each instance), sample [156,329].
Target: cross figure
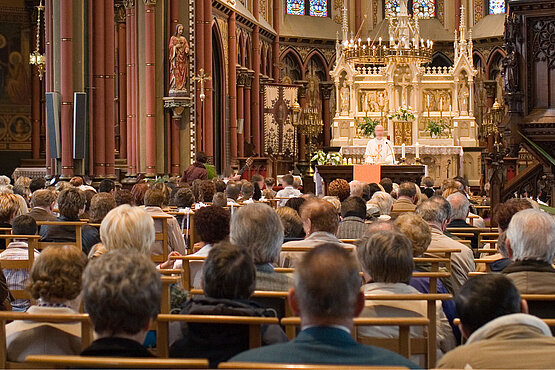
[202,77]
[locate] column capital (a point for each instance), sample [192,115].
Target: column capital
[150,2]
[326,89]
[119,11]
[129,4]
[302,88]
[249,76]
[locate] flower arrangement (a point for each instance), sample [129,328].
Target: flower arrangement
[322,158]
[402,114]
[368,127]
[436,128]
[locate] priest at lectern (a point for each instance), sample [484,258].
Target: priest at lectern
[379,150]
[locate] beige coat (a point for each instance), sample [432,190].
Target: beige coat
[516,341]
[176,242]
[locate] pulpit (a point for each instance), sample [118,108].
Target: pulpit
[397,173]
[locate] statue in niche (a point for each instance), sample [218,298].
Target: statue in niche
[179,66]
[382,100]
[464,95]
[510,72]
[344,95]
[313,92]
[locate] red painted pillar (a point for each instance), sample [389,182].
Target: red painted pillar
[110,79]
[358,16]
[199,60]
[49,75]
[208,129]
[129,84]
[66,85]
[150,82]
[256,122]
[458,14]
[122,88]
[248,107]
[135,93]
[36,108]
[99,110]
[275,52]
[240,111]
[232,82]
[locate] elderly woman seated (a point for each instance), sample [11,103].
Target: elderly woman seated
[55,282]
[386,259]
[229,279]
[379,207]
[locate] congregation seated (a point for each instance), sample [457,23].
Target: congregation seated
[339,188]
[37,183]
[154,201]
[460,206]
[18,250]
[121,294]
[427,186]
[327,297]
[353,213]
[288,190]
[531,246]
[320,224]
[386,259]
[9,207]
[436,212]
[232,192]
[184,200]
[42,205]
[420,234]
[55,282]
[207,189]
[138,191]
[295,203]
[124,196]
[500,334]
[406,199]
[228,280]
[71,202]
[212,226]
[387,185]
[101,204]
[292,223]
[357,188]
[257,227]
[379,207]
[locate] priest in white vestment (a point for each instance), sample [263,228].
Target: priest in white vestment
[379,150]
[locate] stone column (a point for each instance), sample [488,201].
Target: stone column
[208,116]
[303,104]
[232,65]
[248,106]
[66,86]
[150,83]
[49,76]
[109,69]
[175,145]
[122,81]
[326,89]
[275,51]
[240,109]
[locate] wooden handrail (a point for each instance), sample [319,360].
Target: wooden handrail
[408,297]
[246,320]
[275,366]
[116,362]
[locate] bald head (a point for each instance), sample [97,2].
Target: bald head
[327,285]
[379,131]
[319,215]
[459,206]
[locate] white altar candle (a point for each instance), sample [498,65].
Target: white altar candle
[417,147]
[403,151]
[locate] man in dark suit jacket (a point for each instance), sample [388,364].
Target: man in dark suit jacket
[121,316]
[42,203]
[326,296]
[460,207]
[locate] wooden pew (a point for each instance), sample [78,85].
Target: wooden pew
[263,366]
[78,225]
[32,244]
[64,362]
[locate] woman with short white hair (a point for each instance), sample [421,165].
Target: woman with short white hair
[383,202]
[127,227]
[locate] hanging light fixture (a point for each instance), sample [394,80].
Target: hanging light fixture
[36,58]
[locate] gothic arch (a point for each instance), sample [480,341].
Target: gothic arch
[493,61]
[441,60]
[316,54]
[291,66]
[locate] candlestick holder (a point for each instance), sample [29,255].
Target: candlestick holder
[403,160]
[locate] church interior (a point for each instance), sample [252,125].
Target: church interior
[288,184]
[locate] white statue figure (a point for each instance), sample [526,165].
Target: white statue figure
[344,95]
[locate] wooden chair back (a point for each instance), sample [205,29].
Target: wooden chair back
[431,300]
[541,305]
[401,345]
[162,238]
[167,281]
[434,262]
[187,263]
[263,365]
[433,277]
[78,225]
[5,316]
[32,244]
[254,323]
[91,362]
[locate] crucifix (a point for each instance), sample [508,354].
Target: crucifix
[404,92]
[202,78]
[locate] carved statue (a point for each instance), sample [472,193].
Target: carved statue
[313,92]
[510,72]
[464,95]
[344,95]
[179,66]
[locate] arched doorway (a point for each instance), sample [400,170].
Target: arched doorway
[218,94]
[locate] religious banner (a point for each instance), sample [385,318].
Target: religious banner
[279,131]
[368,173]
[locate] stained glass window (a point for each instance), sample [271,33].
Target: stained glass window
[392,8]
[295,7]
[497,7]
[424,8]
[318,8]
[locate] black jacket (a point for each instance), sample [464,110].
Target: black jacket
[462,223]
[61,233]
[218,343]
[116,347]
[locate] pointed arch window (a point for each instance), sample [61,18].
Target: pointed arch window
[313,8]
[420,8]
[496,7]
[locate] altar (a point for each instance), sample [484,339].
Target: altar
[442,162]
[389,81]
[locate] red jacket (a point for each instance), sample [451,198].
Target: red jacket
[193,172]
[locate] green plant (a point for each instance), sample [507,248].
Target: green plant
[436,128]
[402,114]
[368,127]
[322,158]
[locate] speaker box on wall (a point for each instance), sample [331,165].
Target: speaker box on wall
[53,123]
[79,125]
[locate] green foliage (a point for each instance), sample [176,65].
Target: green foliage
[369,126]
[402,114]
[332,158]
[211,171]
[436,128]
[162,179]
